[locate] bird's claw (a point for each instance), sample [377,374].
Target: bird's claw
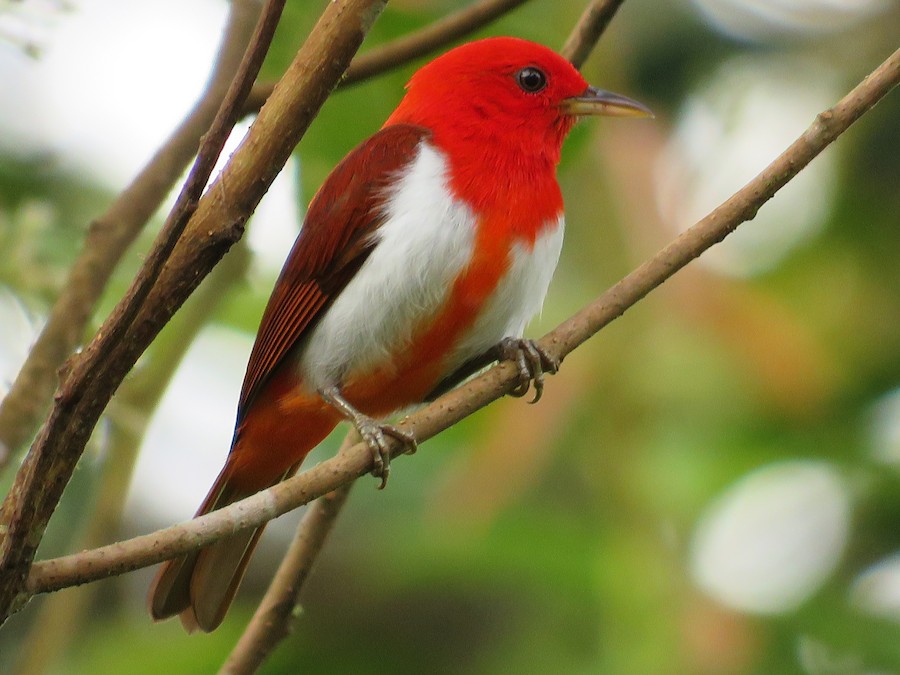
[532,362]
[374,434]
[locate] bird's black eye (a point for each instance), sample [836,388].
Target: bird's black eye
[531,79]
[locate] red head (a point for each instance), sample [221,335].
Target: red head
[498,90]
[504,106]
[502,91]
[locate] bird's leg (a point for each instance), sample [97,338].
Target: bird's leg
[372,432]
[531,360]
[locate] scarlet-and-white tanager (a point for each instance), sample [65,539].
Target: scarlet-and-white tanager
[421,259]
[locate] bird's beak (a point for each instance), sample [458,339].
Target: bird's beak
[599,102]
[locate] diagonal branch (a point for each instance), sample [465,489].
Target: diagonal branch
[425,41]
[108,236]
[177,540]
[119,321]
[411,46]
[271,622]
[216,223]
[593,22]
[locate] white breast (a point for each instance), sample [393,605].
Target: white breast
[425,242]
[519,296]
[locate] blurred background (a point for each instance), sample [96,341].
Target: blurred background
[711,485]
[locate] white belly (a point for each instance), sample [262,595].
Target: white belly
[518,298]
[425,242]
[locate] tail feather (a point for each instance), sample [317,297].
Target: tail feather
[268,447]
[200,586]
[170,591]
[217,574]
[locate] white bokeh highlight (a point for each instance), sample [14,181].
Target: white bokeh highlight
[112,80]
[190,433]
[767,19]
[884,429]
[729,130]
[19,331]
[773,538]
[81,111]
[877,589]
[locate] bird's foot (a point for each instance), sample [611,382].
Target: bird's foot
[375,435]
[372,432]
[532,362]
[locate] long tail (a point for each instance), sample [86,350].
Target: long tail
[268,447]
[200,586]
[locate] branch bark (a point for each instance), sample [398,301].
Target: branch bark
[272,621]
[593,22]
[107,239]
[411,46]
[342,469]
[216,223]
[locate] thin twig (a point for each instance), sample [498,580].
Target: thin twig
[177,540]
[108,236]
[425,41]
[271,622]
[404,49]
[593,22]
[118,323]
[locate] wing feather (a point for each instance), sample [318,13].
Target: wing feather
[334,242]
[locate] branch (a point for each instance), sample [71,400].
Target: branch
[404,49]
[253,511]
[593,22]
[271,622]
[108,237]
[117,324]
[217,222]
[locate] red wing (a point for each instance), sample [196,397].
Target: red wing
[330,248]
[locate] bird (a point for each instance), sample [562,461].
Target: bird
[420,260]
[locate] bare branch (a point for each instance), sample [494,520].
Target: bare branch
[427,40]
[107,239]
[271,622]
[216,224]
[118,323]
[593,22]
[323,478]
[411,46]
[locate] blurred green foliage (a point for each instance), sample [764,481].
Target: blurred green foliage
[559,537]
